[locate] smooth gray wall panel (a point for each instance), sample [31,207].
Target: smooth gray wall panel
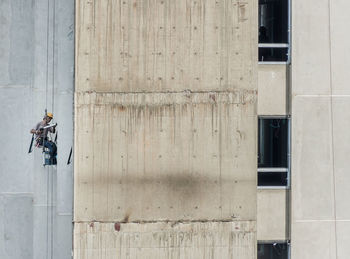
[22,40]
[15,164]
[16,226]
[36,71]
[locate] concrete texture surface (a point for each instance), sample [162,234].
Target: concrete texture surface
[128,46]
[16,212]
[313,239]
[272,215]
[272,88]
[169,157]
[165,125]
[165,240]
[24,55]
[320,112]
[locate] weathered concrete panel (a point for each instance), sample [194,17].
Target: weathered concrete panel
[272,87]
[63,248]
[343,238]
[165,128]
[340,24]
[311,49]
[312,182]
[341,136]
[165,240]
[16,228]
[165,156]
[15,165]
[271,213]
[139,45]
[17,44]
[313,239]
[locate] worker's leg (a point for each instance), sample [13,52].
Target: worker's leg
[52,149]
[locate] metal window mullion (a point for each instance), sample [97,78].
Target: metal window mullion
[289,30]
[273,45]
[272,187]
[272,169]
[272,62]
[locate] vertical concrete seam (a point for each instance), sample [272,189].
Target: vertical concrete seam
[53,54]
[47,212]
[47,51]
[46,94]
[332,128]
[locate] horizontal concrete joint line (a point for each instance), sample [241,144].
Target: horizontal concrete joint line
[321,95]
[169,221]
[322,220]
[17,193]
[65,214]
[14,86]
[169,92]
[44,205]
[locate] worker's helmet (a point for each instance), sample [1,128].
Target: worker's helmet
[50,115]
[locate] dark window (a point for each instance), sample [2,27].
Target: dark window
[273,21]
[275,178]
[273,54]
[273,251]
[273,143]
[273,30]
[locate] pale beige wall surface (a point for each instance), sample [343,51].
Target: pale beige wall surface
[126,46]
[271,215]
[165,156]
[165,122]
[210,240]
[320,115]
[272,88]
[339,46]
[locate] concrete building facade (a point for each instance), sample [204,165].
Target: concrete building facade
[165,129]
[36,72]
[168,100]
[320,118]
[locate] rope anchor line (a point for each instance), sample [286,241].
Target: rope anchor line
[49,173]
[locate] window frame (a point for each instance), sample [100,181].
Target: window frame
[277,169]
[271,242]
[278,45]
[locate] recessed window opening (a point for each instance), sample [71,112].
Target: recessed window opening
[274,178]
[274,250]
[273,152]
[274,30]
[273,142]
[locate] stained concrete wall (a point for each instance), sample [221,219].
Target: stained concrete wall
[165,240]
[23,180]
[320,118]
[273,94]
[165,128]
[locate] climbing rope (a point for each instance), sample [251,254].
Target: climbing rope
[46,94]
[52,109]
[49,170]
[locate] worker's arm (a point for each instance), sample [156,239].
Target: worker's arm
[53,128]
[36,130]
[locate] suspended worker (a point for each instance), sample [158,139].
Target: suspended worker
[41,130]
